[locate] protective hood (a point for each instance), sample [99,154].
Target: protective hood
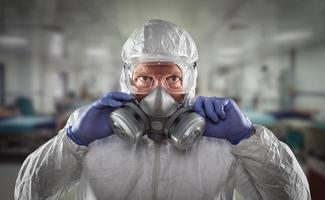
[159,40]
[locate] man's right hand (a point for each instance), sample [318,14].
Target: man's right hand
[95,123]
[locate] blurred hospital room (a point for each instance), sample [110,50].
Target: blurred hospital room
[58,55]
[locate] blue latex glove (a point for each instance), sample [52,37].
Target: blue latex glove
[223,119]
[95,123]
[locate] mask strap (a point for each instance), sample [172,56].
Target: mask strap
[186,100]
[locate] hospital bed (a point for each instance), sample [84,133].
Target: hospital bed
[21,135]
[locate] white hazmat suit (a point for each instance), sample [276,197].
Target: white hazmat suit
[260,167]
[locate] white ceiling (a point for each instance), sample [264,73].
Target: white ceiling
[226,31]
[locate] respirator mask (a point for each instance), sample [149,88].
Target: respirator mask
[159,117]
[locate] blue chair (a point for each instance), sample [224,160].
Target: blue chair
[25,106]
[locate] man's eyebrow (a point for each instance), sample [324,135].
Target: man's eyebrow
[141,74]
[176,73]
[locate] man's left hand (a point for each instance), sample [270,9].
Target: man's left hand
[223,119]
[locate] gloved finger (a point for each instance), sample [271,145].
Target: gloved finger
[209,109]
[198,106]
[231,105]
[107,102]
[120,96]
[219,107]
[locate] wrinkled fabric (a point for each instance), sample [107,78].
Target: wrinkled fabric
[260,167]
[159,40]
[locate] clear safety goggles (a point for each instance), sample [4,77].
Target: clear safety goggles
[146,81]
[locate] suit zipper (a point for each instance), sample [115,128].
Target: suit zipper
[156,169]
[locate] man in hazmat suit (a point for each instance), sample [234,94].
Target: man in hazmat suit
[150,142]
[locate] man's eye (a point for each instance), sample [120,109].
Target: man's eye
[173,78]
[145,78]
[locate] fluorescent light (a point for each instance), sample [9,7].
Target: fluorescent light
[292,36]
[13,41]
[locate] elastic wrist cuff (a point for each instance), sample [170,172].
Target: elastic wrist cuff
[243,135]
[74,138]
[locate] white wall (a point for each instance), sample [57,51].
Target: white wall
[265,87]
[17,76]
[246,80]
[310,77]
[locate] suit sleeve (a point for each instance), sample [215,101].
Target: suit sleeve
[267,169]
[52,169]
